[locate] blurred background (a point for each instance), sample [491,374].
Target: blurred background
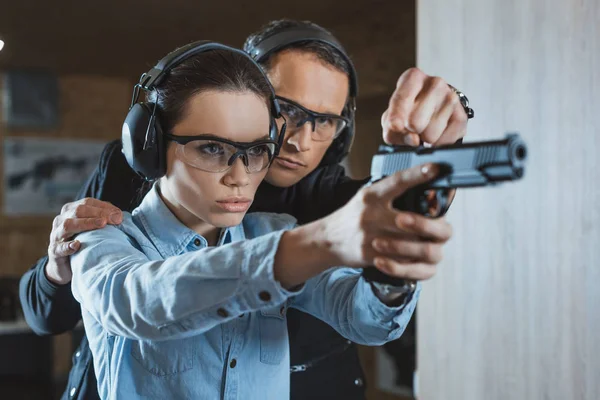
[514,312]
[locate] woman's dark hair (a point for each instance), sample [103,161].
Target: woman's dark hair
[220,70]
[324,52]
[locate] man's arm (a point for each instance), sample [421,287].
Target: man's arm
[45,291]
[48,307]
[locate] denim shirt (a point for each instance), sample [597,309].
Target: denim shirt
[168,317]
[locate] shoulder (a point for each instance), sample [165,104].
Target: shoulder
[260,223]
[126,232]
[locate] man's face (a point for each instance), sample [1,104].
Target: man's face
[317,86]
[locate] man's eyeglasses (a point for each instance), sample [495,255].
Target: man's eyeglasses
[324,126]
[213,154]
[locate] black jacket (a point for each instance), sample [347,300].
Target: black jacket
[334,370]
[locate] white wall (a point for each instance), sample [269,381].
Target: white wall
[514,312]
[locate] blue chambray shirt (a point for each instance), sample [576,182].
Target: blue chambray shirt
[168,317]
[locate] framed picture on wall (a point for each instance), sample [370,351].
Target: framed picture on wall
[41,175]
[30,99]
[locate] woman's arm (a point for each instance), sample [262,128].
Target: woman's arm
[137,294]
[134,296]
[345,301]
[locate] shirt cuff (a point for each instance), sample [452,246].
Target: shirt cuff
[387,314]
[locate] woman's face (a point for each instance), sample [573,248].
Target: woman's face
[219,199]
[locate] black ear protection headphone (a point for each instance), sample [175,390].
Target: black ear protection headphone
[142,136]
[261,51]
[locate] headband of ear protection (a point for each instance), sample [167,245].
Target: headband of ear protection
[278,41]
[142,136]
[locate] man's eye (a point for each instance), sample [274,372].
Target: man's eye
[325,121]
[290,111]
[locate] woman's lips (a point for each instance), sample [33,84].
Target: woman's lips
[235,204]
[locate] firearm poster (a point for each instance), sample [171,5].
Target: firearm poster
[41,175]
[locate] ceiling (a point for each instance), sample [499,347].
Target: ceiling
[125,37]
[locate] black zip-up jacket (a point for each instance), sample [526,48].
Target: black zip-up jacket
[326,364]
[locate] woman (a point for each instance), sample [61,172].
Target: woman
[176,302]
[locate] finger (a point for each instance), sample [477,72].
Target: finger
[429,100]
[395,120]
[65,249]
[73,226]
[437,229]
[440,120]
[92,208]
[111,215]
[418,251]
[456,128]
[394,185]
[410,271]
[410,139]
[90,202]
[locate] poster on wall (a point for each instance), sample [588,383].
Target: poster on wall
[41,175]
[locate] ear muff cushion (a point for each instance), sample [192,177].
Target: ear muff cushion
[149,162]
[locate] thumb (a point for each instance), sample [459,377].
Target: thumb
[66,249]
[395,185]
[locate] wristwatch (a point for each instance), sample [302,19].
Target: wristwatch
[387,292]
[464,101]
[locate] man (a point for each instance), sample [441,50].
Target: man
[315,83]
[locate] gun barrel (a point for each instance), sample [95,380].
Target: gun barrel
[468,164]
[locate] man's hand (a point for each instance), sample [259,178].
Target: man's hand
[369,231]
[424,108]
[79,216]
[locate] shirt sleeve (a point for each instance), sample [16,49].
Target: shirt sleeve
[133,296]
[342,298]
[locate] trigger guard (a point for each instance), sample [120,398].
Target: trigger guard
[435,207]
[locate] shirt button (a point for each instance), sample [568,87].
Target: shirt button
[233,363]
[72,392]
[358,382]
[77,354]
[197,242]
[264,296]
[222,312]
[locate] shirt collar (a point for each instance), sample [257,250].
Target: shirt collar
[169,235]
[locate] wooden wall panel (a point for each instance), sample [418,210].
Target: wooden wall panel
[91,107]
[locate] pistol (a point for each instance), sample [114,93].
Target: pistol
[462,165]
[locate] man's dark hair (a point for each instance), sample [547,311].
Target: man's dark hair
[326,53]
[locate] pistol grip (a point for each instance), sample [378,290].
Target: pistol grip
[433,203]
